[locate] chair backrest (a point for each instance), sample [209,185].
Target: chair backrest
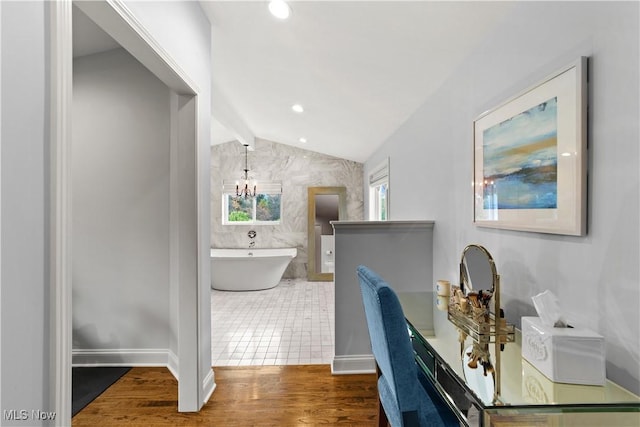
[390,340]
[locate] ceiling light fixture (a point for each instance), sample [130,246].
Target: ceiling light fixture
[245,192]
[297,108]
[303,140]
[280,9]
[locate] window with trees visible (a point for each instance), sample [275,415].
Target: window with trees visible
[379,192]
[263,208]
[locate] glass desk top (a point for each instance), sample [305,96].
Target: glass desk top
[521,384]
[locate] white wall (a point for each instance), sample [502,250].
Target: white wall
[120,155]
[596,277]
[24,226]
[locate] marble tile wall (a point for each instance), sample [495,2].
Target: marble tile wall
[297,169]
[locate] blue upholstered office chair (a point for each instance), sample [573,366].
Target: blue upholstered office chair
[405,400]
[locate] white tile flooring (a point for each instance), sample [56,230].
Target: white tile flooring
[290,324]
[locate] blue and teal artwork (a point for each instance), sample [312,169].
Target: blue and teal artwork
[521,160]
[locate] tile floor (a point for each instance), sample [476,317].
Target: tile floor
[291,324]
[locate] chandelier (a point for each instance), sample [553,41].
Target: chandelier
[246,192]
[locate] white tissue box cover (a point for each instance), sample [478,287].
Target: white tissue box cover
[565,355]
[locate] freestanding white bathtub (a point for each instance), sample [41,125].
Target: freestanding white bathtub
[249,269]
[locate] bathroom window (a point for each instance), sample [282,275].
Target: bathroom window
[263,208]
[379,192]
[380,202]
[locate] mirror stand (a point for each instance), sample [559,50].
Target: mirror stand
[470,310]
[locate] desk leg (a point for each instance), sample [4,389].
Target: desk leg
[382,416]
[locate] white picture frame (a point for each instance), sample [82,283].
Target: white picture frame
[530,158]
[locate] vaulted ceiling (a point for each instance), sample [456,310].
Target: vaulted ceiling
[359,68]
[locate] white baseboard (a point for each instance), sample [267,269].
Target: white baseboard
[208,386]
[173,364]
[353,364]
[136,357]
[126,357]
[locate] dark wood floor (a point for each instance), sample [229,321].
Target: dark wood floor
[245,396]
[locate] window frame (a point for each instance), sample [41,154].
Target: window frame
[267,188]
[378,177]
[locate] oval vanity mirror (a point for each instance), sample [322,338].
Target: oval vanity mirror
[477,270]
[480,286]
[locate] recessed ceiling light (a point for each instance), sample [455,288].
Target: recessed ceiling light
[303,140]
[279,9]
[297,108]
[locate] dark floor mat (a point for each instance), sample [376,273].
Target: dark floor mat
[90,382]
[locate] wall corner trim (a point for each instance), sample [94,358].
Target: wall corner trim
[60,331]
[119,22]
[208,386]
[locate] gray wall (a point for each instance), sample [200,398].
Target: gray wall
[24,228]
[596,277]
[401,253]
[120,154]
[297,169]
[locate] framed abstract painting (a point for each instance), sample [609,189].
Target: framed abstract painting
[530,158]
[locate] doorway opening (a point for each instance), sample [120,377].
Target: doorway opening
[178,227]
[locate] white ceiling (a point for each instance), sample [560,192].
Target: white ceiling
[88,38]
[359,68]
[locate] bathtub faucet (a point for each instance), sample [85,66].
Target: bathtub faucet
[252,235]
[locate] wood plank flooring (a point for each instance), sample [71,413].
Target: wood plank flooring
[292,395]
